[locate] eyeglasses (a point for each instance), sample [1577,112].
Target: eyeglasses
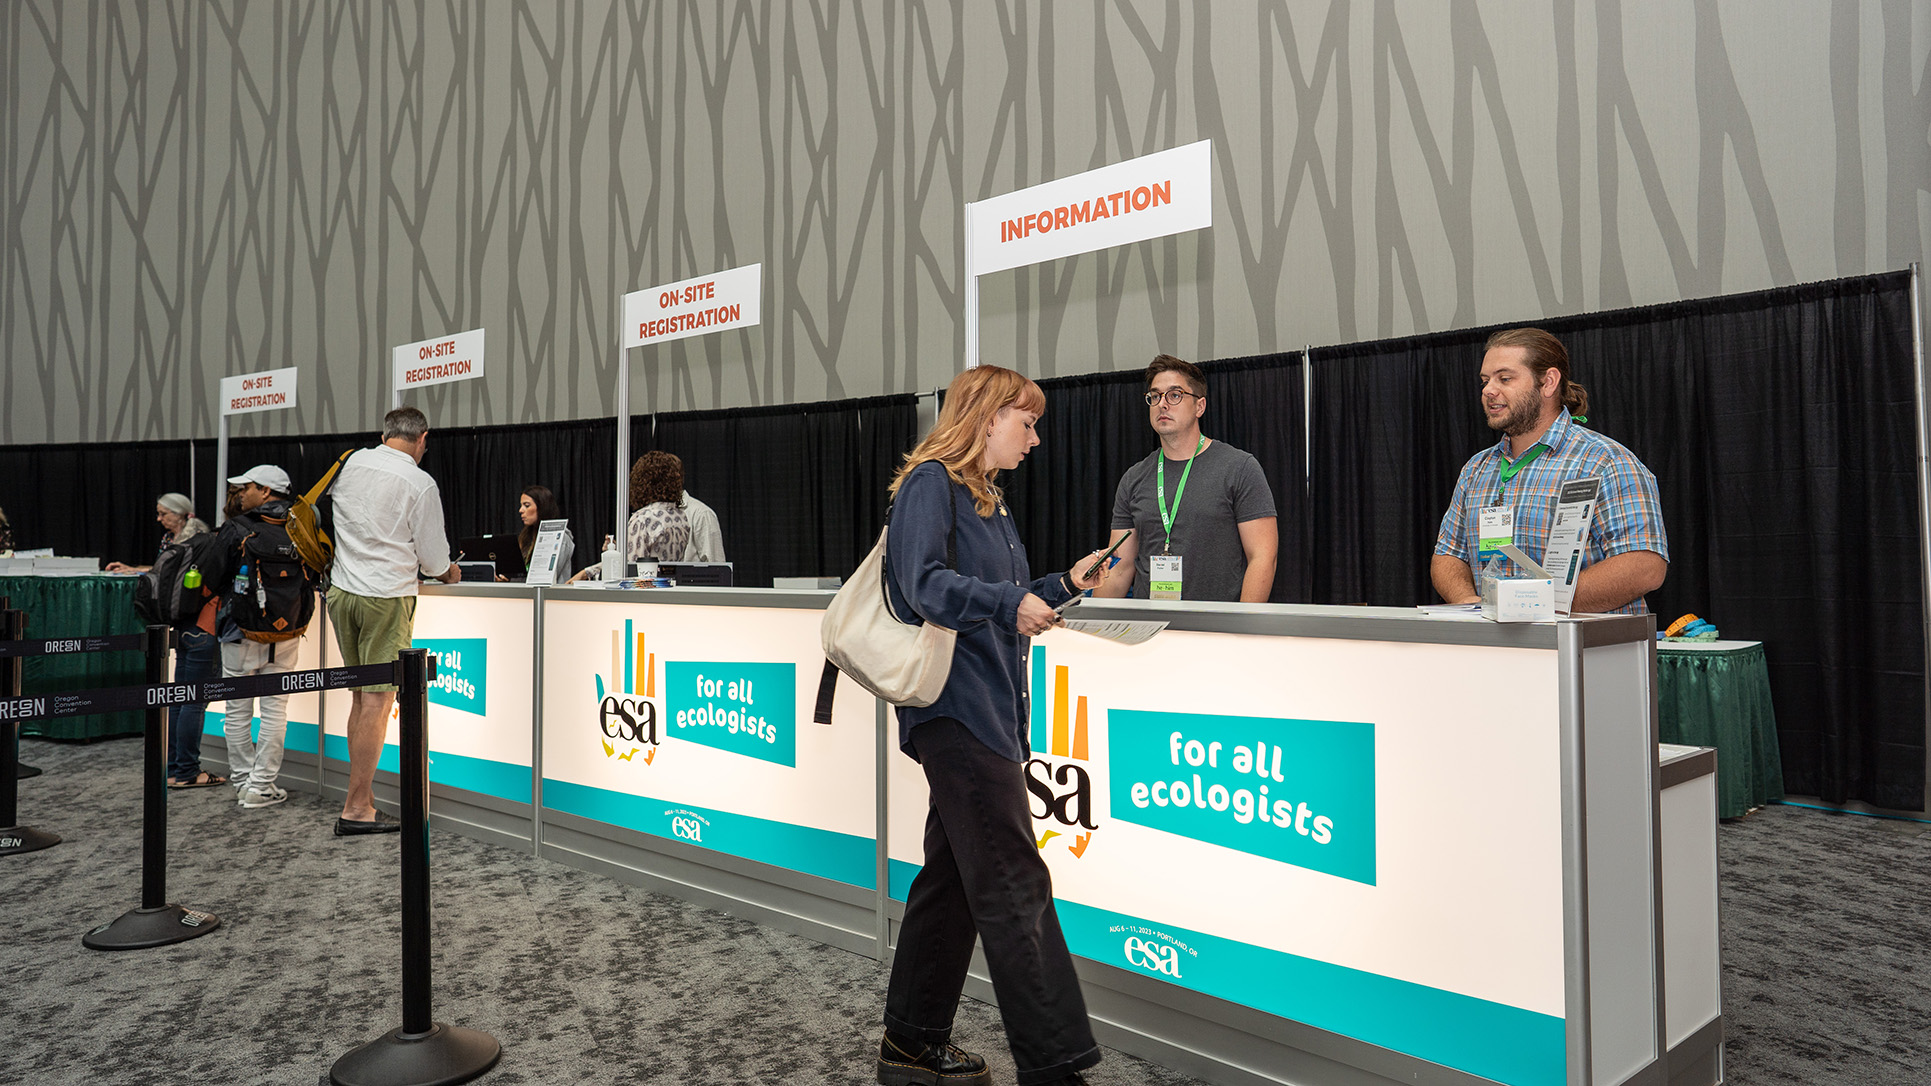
[1170,397]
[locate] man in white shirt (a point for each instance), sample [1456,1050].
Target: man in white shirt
[707,539]
[388,527]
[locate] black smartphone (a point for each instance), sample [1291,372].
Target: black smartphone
[1096,566]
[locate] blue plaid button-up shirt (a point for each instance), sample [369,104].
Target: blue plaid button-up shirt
[1628,518]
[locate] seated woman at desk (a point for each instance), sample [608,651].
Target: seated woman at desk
[536,505]
[658,530]
[175,513]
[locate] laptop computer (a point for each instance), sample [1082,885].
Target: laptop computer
[697,574]
[500,549]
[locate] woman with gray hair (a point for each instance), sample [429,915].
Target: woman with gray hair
[175,513]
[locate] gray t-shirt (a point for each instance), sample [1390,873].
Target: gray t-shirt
[1226,488]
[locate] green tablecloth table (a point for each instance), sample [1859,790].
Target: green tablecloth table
[84,606]
[1717,694]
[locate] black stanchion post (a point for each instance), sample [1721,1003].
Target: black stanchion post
[155,923]
[14,838]
[423,1052]
[20,768]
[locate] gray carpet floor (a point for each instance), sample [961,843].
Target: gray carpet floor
[1826,946]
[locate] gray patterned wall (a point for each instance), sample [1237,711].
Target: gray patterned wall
[194,189]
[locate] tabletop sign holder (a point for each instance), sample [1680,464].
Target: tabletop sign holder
[718,302]
[544,555]
[1576,503]
[245,394]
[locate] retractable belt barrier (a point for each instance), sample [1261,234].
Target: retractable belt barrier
[21,770]
[158,922]
[167,695]
[55,646]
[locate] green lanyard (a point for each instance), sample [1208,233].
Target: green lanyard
[1509,471]
[1160,491]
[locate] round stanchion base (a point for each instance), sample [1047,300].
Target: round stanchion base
[443,1056]
[16,839]
[22,771]
[139,929]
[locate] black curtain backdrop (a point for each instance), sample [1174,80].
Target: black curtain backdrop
[1781,429]
[1096,427]
[76,498]
[799,489]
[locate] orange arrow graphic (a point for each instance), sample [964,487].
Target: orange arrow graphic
[649,754]
[1080,848]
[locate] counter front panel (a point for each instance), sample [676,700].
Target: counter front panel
[1307,826]
[484,640]
[694,723]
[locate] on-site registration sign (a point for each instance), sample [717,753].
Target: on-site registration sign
[1167,192]
[454,357]
[693,307]
[269,390]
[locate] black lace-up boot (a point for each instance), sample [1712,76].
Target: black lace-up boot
[905,1062]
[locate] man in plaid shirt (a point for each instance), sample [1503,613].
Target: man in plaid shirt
[1527,394]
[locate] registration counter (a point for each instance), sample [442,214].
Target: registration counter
[1289,844]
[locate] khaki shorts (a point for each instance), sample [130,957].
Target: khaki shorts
[371,630]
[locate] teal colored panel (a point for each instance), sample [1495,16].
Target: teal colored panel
[824,853]
[745,708]
[1298,792]
[504,780]
[462,672]
[1493,1040]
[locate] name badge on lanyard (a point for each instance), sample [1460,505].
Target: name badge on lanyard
[1496,530]
[1163,577]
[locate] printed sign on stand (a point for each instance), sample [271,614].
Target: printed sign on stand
[693,307]
[269,390]
[1167,192]
[455,357]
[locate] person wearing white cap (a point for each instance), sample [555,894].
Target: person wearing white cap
[253,764]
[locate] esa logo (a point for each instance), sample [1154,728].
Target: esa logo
[1157,957]
[1062,793]
[690,829]
[628,718]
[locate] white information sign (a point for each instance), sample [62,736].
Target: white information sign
[694,307]
[269,390]
[543,556]
[1569,537]
[1167,192]
[455,357]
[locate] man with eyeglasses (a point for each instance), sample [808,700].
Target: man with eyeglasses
[1202,515]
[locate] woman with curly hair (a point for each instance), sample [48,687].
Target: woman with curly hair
[658,530]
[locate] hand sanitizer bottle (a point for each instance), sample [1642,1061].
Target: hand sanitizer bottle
[613,562]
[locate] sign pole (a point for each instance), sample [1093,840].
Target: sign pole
[623,449]
[221,472]
[971,297]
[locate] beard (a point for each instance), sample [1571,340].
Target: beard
[1520,418]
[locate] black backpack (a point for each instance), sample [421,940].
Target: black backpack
[162,594]
[277,599]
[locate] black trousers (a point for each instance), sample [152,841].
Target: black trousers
[983,877]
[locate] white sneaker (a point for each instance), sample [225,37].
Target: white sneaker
[252,798]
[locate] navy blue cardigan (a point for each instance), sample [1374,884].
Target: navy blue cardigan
[987,688]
